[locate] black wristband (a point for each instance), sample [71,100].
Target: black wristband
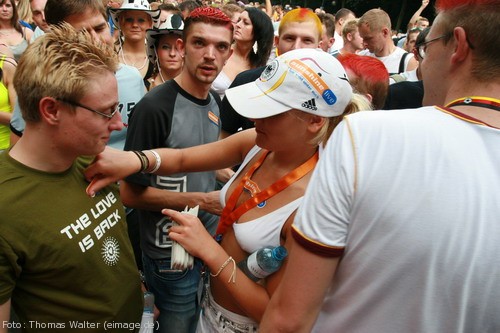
[143,158]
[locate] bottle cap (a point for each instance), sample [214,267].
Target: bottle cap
[279,253]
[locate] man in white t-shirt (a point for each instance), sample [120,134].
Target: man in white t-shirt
[375,29]
[398,231]
[343,15]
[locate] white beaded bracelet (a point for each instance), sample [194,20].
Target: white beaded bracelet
[233,274]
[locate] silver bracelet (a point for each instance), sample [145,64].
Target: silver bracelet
[157,161]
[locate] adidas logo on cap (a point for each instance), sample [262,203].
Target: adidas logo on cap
[310,104]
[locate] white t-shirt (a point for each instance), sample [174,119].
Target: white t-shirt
[391,61]
[337,44]
[413,199]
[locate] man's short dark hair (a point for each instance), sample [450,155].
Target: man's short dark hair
[56,11]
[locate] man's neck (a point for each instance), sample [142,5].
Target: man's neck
[388,49]
[348,48]
[40,154]
[191,86]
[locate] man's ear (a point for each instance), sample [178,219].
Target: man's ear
[276,43]
[462,48]
[179,44]
[331,41]
[50,110]
[386,32]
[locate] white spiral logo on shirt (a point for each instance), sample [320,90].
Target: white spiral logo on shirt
[110,251]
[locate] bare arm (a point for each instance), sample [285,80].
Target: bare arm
[416,15]
[412,64]
[269,8]
[4,316]
[5,118]
[8,71]
[113,165]
[155,199]
[297,301]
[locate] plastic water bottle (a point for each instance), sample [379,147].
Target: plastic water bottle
[263,262]
[149,302]
[147,322]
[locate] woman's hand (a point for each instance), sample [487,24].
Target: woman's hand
[191,234]
[110,166]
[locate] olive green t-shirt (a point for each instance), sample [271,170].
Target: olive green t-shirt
[65,258]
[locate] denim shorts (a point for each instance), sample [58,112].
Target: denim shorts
[175,293]
[216,319]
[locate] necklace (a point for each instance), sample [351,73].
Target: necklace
[134,64]
[479,101]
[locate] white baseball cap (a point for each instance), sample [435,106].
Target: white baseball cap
[172,25]
[308,80]
[142,5]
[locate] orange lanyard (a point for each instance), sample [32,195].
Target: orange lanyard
[231,213]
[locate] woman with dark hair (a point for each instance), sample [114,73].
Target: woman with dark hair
[12,34]
[253,41]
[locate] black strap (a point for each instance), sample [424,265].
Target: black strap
[402,62]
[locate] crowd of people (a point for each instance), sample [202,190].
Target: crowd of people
[274,122]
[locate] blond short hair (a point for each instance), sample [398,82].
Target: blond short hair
[376,19]
[349,27]
[60,64]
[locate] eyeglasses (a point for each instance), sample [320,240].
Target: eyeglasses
[422,47]
[106,115]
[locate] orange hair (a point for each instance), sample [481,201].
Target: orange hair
[301,15]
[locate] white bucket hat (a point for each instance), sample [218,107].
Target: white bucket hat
[308,80]
[142,5]
[172,25]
